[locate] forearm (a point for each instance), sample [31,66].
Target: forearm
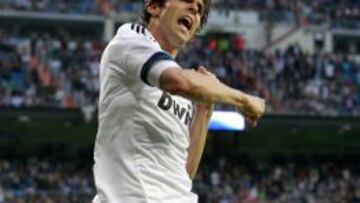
[198,134]
[207,89]
[195,86]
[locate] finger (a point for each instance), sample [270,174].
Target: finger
[203,70]
[212,74]
[252,122]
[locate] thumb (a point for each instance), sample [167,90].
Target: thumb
[252,122]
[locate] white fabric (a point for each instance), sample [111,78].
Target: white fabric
[143,135]
[157,69]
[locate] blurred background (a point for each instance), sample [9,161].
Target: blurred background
[302,56]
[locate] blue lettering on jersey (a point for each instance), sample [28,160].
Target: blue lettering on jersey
[183,113]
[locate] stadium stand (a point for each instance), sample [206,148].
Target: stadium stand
[292,80]
[40,180]
[95,7]
[320,9]
[44,70]
[53,69]
[221,180]
[56,71]
[294,180]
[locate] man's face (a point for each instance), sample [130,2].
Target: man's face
[180,19]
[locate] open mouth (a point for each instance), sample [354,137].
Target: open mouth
[186,22]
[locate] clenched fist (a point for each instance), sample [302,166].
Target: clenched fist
[253,108]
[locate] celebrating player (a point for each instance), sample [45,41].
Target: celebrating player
[150,136]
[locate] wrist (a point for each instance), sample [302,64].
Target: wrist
[241,101]
[205,109]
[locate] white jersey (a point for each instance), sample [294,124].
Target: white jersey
[143,135]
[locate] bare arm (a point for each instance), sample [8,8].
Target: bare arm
[198,135]
[198,132]
[199,87]
[207,89]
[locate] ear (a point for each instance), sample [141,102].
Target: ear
[154,9]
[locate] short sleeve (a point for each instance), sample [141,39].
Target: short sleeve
[144,59]
[154,66]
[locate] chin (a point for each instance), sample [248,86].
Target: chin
[179,42]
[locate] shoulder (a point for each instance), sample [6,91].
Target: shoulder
[134,32]
[131,38]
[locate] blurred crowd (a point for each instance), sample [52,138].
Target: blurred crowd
[292,81]
[97,7]
[338,13]
[36,180]
[315,10]
[218,181]
[48,70]
[281,181]
[56,70]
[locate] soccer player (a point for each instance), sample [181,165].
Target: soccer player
[150,136]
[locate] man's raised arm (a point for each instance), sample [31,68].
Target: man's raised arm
[203,88]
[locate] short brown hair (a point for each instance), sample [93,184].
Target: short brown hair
[144,17]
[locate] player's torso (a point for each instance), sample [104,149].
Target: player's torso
[165,120]
[143,136]
[151,140]
[164,110]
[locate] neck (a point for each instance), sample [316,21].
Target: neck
[154,29]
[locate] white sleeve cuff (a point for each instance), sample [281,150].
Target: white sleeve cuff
[158,68]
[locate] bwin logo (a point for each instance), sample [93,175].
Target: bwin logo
[166,102]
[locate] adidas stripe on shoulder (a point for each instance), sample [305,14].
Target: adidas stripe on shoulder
[138,29]
[142,31]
